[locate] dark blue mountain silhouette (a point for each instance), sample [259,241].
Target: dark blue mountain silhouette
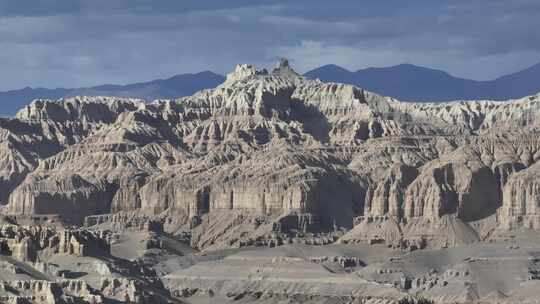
[405,82]
[414,83]
[176,86]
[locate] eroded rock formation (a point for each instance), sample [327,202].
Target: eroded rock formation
[266,145]
[27,244]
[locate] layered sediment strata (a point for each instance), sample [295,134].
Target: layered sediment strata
[27,244]
[272,144]
[44,292]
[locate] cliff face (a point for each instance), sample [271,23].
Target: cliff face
[272,144]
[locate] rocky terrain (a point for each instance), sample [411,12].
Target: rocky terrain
[270,188]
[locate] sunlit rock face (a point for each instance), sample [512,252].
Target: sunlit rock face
[266,145]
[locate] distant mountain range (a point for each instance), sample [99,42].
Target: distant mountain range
[405,82]
[176,86]
[408,82]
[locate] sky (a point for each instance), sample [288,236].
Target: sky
[75,43]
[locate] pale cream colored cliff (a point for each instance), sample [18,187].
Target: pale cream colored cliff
[272,144]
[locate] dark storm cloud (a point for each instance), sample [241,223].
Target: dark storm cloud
[79,42]
[59,7]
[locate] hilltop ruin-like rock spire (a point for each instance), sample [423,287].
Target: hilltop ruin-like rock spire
[284,69]
[243,71]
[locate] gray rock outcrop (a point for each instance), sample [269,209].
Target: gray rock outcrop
[271,144]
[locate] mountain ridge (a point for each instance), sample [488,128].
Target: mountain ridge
[328,174]
[410,82]
[176,86]
[405,81]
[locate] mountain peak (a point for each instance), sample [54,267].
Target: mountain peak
[243,71]
[284,69]
[405,68]
[422,84]
[331,73]
[331,68]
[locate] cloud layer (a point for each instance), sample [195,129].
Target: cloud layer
[87,42]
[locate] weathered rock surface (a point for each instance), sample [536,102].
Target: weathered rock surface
[334,185]
[29,243]
[238,159]
[44,292]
